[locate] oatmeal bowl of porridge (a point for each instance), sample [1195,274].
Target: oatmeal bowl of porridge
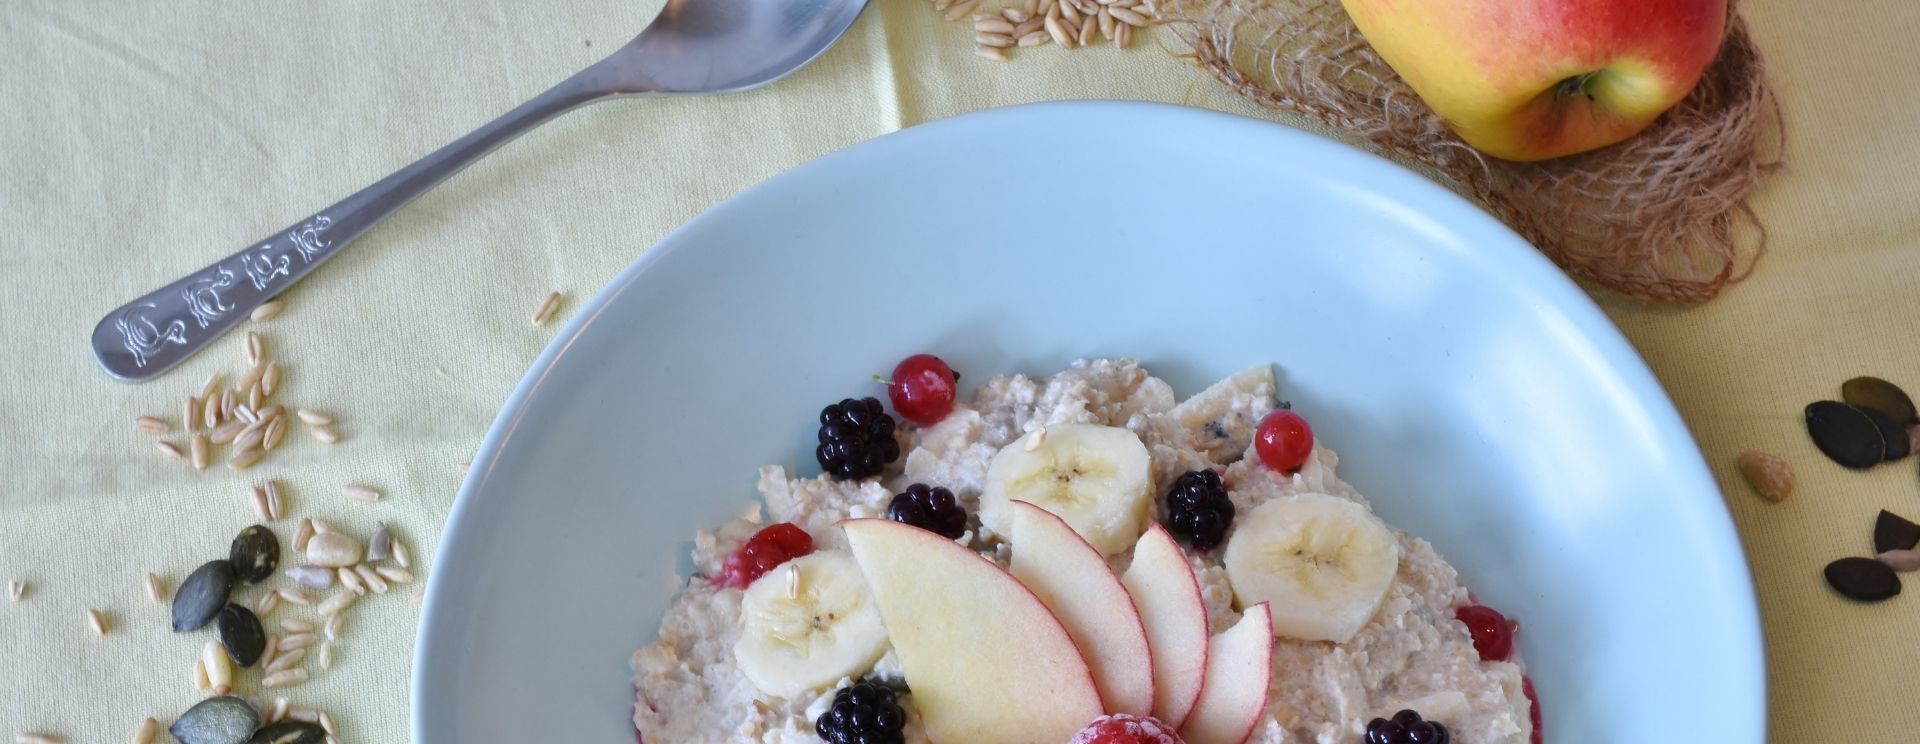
[916,443]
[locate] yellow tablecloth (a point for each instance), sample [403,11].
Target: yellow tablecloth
[141,140]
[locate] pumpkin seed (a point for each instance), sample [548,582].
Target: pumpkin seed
[1863,579]
[1882,396]
[254,554]
[241,633]
[201,596]
[1845,434]
[1893,532]
[216,720]
[289,732]
[1891,433]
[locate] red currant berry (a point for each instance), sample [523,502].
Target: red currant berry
[923,389]
[1283,441]
[766,550]
[1533,703]
[1492,636]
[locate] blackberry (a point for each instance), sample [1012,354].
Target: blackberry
[930,509]
[1406,727]
[865,713]
[856,439]
[1198,510]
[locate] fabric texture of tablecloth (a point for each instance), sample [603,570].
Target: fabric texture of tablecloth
[141,140]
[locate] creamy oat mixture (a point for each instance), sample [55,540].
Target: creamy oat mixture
[1412,654]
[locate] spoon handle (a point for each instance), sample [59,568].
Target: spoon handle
[148,336]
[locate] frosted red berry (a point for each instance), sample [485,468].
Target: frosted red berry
[1121,728]
[1492,634]
[1283,441]
[765,551]
[923,389]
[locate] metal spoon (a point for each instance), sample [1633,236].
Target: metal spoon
[693,46]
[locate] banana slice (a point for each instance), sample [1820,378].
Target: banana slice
[808,623]
[1096,478]
[1322,563]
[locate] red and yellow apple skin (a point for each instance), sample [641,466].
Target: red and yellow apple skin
[1530,80]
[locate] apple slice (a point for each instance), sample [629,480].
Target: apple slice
[1167,595]
[1239,673]
[1071,578]
[985,658]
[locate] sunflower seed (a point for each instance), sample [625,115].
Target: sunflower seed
[270,379]
[156,590]
[151,425]
[216,720]
[289,732]
[148,729]
[374,583]
[351,580]
[244,460]
[200,675]
[254,349]
[321,527]
[302,534]
[276,432]
[287,678]
[254,553]
[16,589]
[395,575]
[333,550]
[401,555]
[1862,579]
[241,634]
[325,434]
[219,667]
[326,721]
[311,576]
[1893,532]
[267,604]
[297,640]
[360,493]
[307,715]
[201,596]
[960,9]
[337,603]
[993,26]
[97,621]
[275,505]
[295,625]
[211,386]
[170,449]
[35,737]
[1845,433]
[294,595]
[547,308]
[280,706]
[288,660]
[335,622]
[1769,475]
[267,311]
[226,432]
[314,418]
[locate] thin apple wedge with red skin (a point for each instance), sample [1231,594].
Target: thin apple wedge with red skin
[987,661]
[1074,581]
[1239,677]
[1167,595]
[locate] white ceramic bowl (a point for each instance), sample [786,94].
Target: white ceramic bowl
[1476,395]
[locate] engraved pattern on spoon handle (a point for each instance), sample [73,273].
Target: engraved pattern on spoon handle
[143,338]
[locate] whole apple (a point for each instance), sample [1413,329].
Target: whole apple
[1536,79]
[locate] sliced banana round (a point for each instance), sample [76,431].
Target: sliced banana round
[807,624]
[1096,478]
[1322,563]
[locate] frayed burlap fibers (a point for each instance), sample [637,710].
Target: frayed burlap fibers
[1657,217]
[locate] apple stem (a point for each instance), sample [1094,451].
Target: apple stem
[1577,85]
